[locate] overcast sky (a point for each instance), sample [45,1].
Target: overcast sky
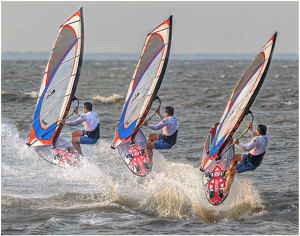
[121,27]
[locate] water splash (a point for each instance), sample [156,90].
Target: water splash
[174,190]
[171,190]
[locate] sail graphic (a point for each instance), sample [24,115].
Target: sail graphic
[59,82]
[240,101]
[145,81]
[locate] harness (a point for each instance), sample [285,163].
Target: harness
[172,139]
[95,134]
[256,160]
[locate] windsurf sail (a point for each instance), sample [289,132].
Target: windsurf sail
[145,81]
[240,101]
[59,82]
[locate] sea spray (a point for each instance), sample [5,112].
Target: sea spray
[171,190]
[176,191]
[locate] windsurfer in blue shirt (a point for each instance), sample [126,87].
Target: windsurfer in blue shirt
[90,134]
[168,138]
[250,161]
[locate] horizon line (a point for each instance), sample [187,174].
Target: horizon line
[30,55]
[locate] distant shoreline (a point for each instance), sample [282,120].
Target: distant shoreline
[127,56]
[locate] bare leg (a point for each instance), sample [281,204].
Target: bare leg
[231,172]
[229,182]
[235,159]
[75,134]
[76,145]
[150,146]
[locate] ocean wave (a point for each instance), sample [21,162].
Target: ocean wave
[276,76]
[32,94]
[25,95]
[110,99]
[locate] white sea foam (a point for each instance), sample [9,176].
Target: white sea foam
[110,99]
[172,189]
[32,94]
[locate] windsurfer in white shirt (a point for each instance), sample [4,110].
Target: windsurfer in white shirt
[90,134]
[168,138]
[250,161]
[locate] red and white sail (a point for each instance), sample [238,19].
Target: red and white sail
[240,101]
[145,81]
[59,82]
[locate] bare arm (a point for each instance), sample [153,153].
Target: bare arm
[254,134]
[76,112]
[161,117]
[250,126]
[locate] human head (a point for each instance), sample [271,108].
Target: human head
[88,106]
[262,129]
[169,110]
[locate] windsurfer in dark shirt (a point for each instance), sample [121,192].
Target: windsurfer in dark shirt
[168,138]
[250,161]
[90,134]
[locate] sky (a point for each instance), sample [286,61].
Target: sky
[208,27]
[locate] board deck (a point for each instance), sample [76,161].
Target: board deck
[134,156]
[58,155]
[214,178]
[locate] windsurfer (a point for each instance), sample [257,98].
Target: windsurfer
[168,138]
[90,134]
[250,161]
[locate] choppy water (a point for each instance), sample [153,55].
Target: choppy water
[103,197]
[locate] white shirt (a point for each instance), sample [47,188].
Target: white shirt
[257,145]
[169,125]
[89,121]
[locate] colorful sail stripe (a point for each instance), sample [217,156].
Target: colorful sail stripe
[145,81]
[38,126]
[241,104]
[59,82]
[126,131]
[216,147]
